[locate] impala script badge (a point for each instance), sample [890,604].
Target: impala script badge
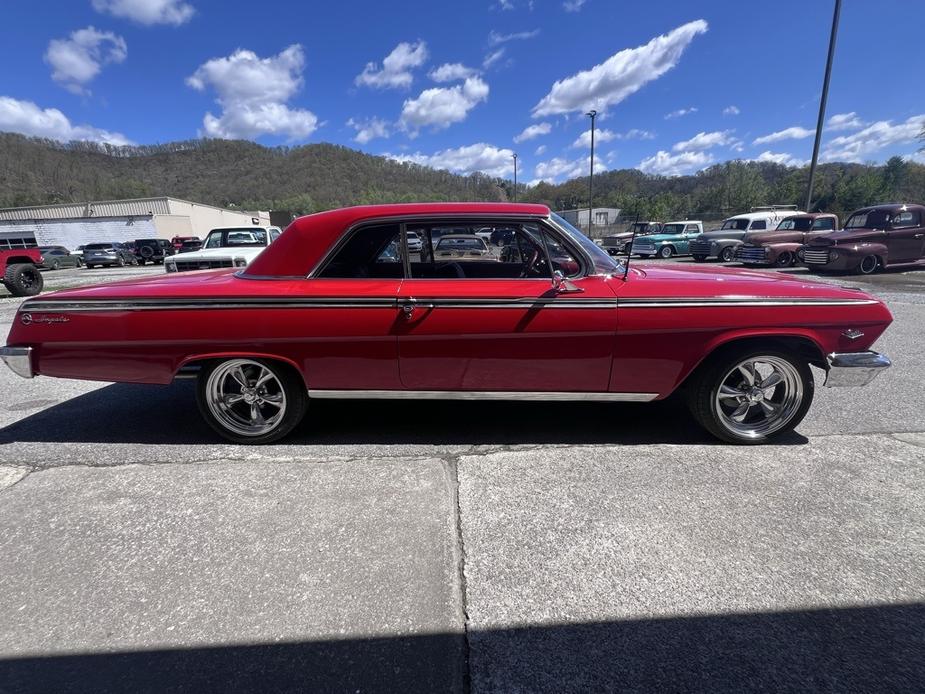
[29,319]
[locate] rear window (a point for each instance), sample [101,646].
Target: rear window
[97,246]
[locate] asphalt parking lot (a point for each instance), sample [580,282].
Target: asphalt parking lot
[485,547]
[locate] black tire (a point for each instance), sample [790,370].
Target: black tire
[704,385]
[644,256]
[699,258]
[120,262]
[55,265]
[159,261]
[727,254]
[869,265]
[291,383]
[785,259]
[79,263]
[665,252]
[23,279]
[146,252]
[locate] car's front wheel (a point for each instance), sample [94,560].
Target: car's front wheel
[665,252]
[251,401]
[751,396]
[727,254]
[785,259]
[869,264]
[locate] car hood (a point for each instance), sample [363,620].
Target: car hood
[852,236]
[700,281]
[657,238]
[249,252]
[716,235]
[763,238]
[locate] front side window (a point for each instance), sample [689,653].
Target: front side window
[759,225]
[370,252]
[735,225]
[874,219]
[692,229]
[795,224]
[673,229]
[824,224]
[903,220]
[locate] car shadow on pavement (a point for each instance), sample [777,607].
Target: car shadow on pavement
[123,413]
[864,649]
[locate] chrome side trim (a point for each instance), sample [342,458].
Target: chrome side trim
[55,306]
[854,368]
[479,395]
[699,302]
[19,359]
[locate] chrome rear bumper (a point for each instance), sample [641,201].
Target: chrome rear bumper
[854,368]
[19,359]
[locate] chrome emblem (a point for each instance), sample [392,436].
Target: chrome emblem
[852,334]
[29,319]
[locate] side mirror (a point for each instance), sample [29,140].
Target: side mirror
[562,285]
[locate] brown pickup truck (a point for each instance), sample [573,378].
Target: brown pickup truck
[873,238]
[781,247]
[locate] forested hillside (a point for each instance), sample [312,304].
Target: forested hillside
[321,176]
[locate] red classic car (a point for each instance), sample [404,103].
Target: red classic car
[340,307]
[873,238]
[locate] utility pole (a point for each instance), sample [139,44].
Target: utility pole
[515,176]
[592,114]
[822,103]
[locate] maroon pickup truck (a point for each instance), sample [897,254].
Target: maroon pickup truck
[873,238]
[781,247]
[18,271]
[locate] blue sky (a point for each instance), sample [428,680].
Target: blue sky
[464,85]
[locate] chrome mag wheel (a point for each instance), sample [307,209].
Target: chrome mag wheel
[758,396]
[246,397]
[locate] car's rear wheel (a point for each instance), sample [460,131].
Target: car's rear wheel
[56,265]
[785,259]
[22,279]
[699,258]
[251,401]
[665,252]
[120,262]
[727,254]
[869,264]
[751,396]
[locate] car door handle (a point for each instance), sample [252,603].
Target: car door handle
[408,306]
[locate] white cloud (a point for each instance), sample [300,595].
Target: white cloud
[702,141]
[781,158]
[560,168]
[731,111]
[620,75]
[75,61]
[573,5]
[680,113]
[369,129]
[495,39]
[174,12]
[493,58]
[396,67]
[541,150]
[664,164]
[864,143]
[440,107]
[482,157]
[845,121]
[252,92]
[451,72]
[636,134]
[600,135]
[28,119]
[532,131]
[793,133]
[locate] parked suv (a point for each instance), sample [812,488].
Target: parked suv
[107,255]
[722,242]
[873,238]
[154,250]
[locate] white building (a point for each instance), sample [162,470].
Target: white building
[75,224]
[603,216]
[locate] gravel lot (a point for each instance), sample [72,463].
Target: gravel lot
[487,547]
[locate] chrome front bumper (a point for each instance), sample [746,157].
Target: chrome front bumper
[19,359]
[854,368]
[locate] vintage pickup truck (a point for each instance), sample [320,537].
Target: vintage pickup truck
[722,242]
[673,239]
[781,247]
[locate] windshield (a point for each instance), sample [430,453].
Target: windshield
[603,263]
[873,219]
[473,244]
[796,223]
[673,229]
[737,224]
[225,238]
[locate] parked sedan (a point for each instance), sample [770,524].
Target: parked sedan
[57,257]
[329,311]
[108,255]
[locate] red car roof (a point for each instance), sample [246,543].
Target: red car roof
[307,239]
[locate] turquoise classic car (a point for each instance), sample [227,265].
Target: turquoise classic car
[673,239]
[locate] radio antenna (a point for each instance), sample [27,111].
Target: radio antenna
[629,247]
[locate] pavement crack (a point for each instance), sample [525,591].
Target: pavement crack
[452,473]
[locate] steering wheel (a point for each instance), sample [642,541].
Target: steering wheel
[457,268]
[531,266]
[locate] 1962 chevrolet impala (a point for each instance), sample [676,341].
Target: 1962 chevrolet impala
[340,307]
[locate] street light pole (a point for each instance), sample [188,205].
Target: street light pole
[822,102]
[515,176]
[593,114]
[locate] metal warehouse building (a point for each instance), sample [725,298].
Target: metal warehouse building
[75,224]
